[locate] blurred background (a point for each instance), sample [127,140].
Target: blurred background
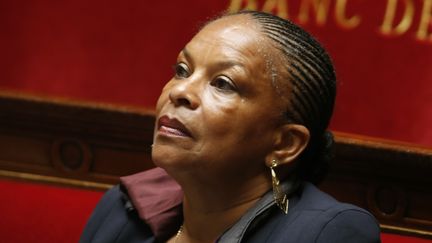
[79,81]
[122,52]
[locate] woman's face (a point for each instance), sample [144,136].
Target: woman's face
[219,112]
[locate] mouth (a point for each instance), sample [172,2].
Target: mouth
[172,127]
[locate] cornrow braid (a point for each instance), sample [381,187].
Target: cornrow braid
[313,82]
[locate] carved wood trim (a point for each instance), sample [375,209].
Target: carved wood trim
[75,140]
[390,179]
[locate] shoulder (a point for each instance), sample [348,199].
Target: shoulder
[348,223]
[109,202]
[113,221]
[317,217]
[333,221]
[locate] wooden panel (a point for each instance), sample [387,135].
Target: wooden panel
[91,145]
[391,180]
[60,138]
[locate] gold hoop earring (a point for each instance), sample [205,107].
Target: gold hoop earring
[278,194]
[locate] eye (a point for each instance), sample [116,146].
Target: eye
[181,70]
[223,83]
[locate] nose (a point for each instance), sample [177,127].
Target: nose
[185,94]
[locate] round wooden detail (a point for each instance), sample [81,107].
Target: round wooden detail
[71,155]
[387,201]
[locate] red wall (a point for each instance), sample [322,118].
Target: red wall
[122,52]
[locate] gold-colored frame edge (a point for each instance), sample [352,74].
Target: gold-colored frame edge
[410,231]
[55,180]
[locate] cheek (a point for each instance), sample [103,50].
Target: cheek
[219,112]
[163,97]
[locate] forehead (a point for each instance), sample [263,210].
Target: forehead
[231,35]
[241,27]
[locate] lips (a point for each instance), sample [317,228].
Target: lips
[172,127]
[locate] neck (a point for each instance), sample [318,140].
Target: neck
[210,208]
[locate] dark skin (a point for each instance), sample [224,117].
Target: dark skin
[233,128]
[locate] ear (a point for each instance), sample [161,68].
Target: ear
[290,141]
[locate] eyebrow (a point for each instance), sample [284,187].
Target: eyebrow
[222,64]
[186,53]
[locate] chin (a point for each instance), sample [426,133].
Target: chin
[169,158]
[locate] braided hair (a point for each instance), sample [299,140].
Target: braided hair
[313,89]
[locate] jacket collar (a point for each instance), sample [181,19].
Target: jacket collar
[260,210]
[158,200]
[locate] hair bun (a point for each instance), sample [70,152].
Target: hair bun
[316,158]
[325,150]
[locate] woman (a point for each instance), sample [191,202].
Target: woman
[240,134]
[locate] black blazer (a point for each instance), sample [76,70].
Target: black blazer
[313,217]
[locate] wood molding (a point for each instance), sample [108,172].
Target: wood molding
[390,179]
[74,140]
[91,145]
